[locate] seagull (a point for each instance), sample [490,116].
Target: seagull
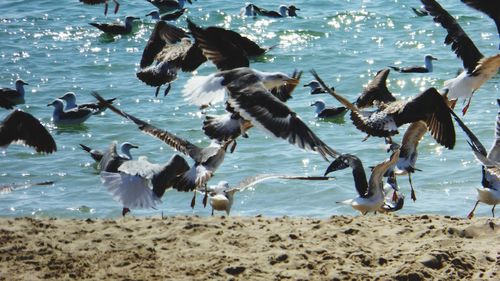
[428,106]
[172,50]
[490,192]
[408,152]
[328,112]
[207,159]
[10,97]
[155,15]
[248,10]
[421,12]
[22,127]
[417,69]
[231,125]
[169,5]
[70,99]
[282,12]
[116,28]
[396,201]
[490,8]
[316,88]
[113,159]
[292,11]
[68,117]
[139,184]
[249,96]
[105,2]
[221,196]
[371,194]
[376,92]
[478,69]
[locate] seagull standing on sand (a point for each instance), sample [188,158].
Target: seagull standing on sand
[116,28]
[70,117]
[22,127]
[249,96]
[478,69]
[322,111]
[428,106]
[490,192]
[10,97]
[417,69]
[139,184]
[105,2]
[70,99]
[371,194]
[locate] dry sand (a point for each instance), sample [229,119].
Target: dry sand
[257,248]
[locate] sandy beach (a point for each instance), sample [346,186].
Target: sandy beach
[374,247]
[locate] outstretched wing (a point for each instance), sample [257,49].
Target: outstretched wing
[461,44]
[162,34]
[284,92]
[20,126]
[376,90]
[489,7]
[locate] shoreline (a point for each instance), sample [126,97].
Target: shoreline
[406,247]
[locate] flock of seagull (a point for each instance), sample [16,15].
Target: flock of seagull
[258,99]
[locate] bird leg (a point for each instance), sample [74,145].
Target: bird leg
[117,6]
[193,201]
[233,147]
[493,210]
[471,214]
[157,91]
[205,198]
[165,93]
[413,196]
[367,136]
[464,110]
[105,8]
[212,212]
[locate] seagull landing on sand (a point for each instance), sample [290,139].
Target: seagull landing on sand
[428,106]
[155,15]
[322,111]
[73,116]
[490,192]
[10,97]
[139,184]
[112,159]
[221,196]
[23,128]
[478,69]
[417,69]
[371,194]
[207,159]
[116,28]
[249,96]
[70,99]
[105,2]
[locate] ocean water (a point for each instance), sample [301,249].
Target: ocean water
[50,45]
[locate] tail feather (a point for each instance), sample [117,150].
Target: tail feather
[204,90]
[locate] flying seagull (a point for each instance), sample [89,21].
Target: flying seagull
[249,96]
[221,196]
[22,127]
[139,184]
[105,2]
[478,69]
[371,193]
[11,97]
[172,50]
[68,117]
[428,106]
[116,28]
[490,192]
[427,67]
[206,159]
[109,160]
[155,15]
[96,107]
[490,8]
